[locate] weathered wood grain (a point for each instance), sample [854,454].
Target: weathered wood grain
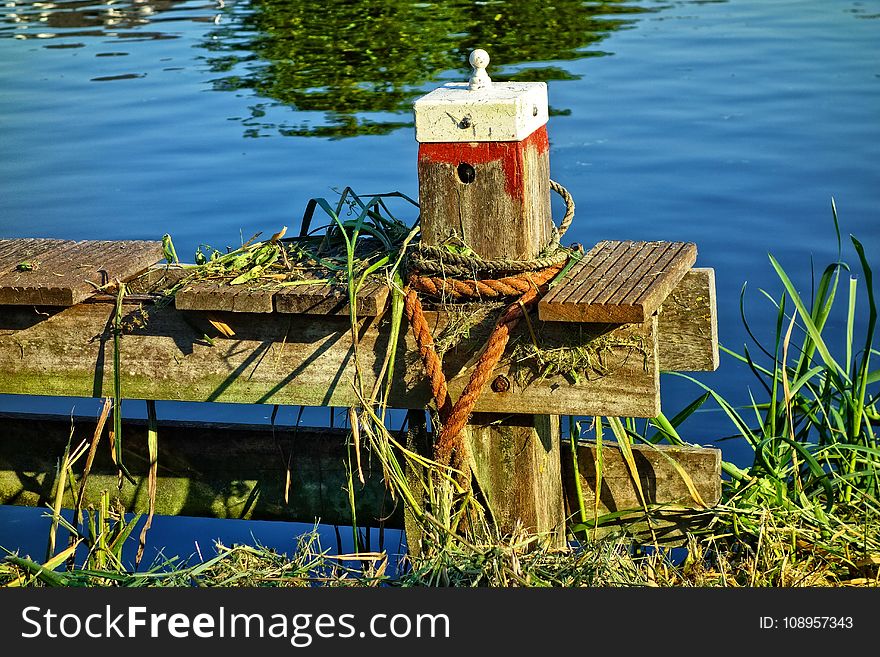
[674,511]
[504,212]
[16,251]
[495,197]
[618,282]
[221,470]
[332,300]
[687,329]
[64,273]
[516,462]
[212,295]
[660,481]
[308,299]
[687,326]
[299,359]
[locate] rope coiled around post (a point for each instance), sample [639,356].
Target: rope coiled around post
[439,260]
[529,283]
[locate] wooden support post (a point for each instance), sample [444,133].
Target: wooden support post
[484,180]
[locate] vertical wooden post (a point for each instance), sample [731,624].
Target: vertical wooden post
[484,179]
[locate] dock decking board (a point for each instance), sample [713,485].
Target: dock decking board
[616,282]
[214,295]
[14,252]
[306,299]
[66,272]
[333,300]
[619,282]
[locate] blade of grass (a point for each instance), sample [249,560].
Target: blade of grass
[117,385]
[60,483]
[152,477]
[573,433]
[806,318]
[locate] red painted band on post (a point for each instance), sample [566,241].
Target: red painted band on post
[511,154]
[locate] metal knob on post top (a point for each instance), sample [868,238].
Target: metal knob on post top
[479,60]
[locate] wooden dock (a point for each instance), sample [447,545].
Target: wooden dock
[306,357]
[50,272]
[595,347]
[299,353]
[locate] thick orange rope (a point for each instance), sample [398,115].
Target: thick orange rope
[476,289]
[454,417]
[433,366]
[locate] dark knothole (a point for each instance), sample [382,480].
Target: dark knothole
[466,173]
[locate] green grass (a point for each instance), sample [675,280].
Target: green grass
[809,421]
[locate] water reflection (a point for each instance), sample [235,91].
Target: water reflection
[362,64]
[345,68]
[30,19]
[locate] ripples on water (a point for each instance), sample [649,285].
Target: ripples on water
[730,124]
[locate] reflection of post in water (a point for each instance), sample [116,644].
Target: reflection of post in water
[356,62]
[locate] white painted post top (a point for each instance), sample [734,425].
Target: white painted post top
[481,109]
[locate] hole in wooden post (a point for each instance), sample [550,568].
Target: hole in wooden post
[466,173]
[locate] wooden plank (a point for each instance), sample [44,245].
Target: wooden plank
[251,300]
[601,255]
[68,272]
[687,328]
[16,251]
[45,283]
[661,482]
[674,510]
[298,359]
[619,282]
[204,469]
[219,295]
[621,272]
[307,299]
[372,299]
[223,470]
[658,280]
[312,299]
[327,299]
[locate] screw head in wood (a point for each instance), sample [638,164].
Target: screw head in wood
[501,384]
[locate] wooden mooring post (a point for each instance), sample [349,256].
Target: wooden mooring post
[484,183]
[623,312]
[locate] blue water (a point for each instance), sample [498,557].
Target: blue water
[730,124]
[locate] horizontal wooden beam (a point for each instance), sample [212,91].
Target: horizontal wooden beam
[239,471]
[169,354]
[661,482]
[309,360]
[661,472]
[205,469]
